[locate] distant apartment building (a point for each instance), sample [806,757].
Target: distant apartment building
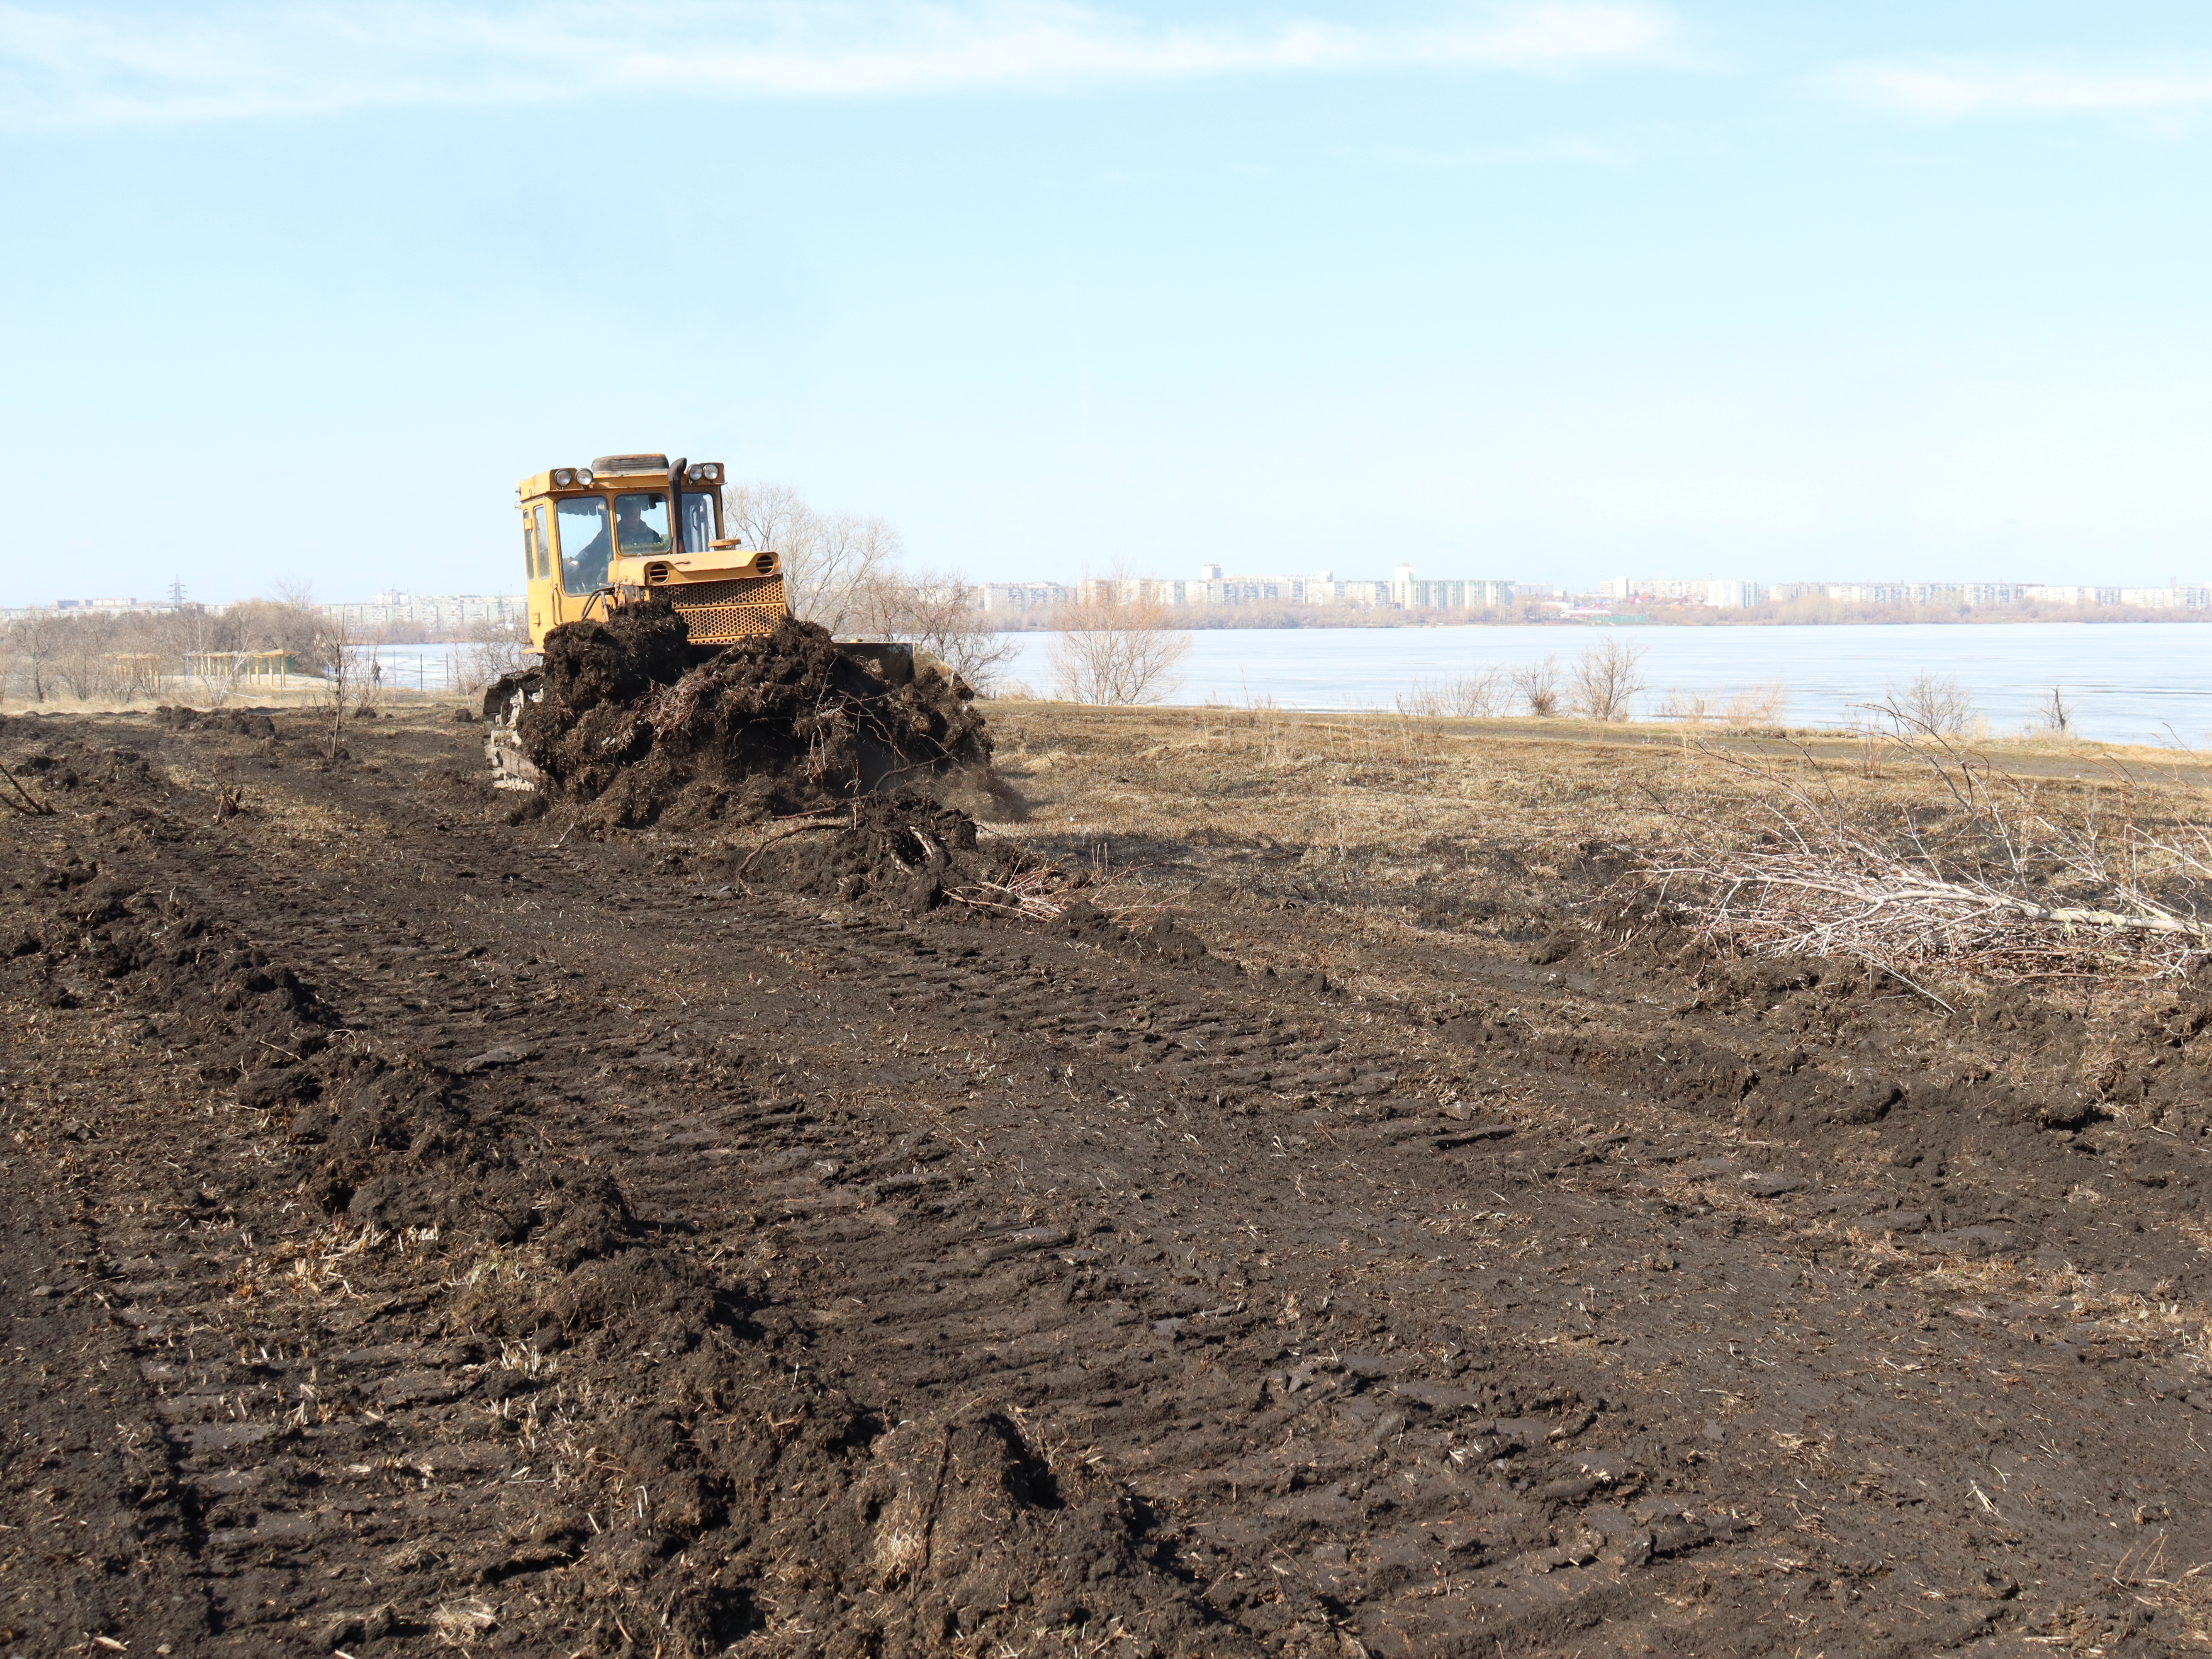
[1212,587]
[98,608]
[1409,593]
[1723,593]
[1016,599]
[1969,595]
[434,613]
[2175,598]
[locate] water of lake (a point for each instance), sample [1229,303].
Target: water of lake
[2147,683]
[419,667]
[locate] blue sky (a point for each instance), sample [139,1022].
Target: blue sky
[1551,291]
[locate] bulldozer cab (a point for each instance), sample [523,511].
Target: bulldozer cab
[599,536]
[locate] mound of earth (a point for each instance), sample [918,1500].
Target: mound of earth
[902,846]
[632,724]
[239,722]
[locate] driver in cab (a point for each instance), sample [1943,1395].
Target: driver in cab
[633,534]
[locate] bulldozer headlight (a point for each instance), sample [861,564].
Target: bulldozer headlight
[706,472]
[563,476]
[583,475]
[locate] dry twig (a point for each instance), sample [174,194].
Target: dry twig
[23,800]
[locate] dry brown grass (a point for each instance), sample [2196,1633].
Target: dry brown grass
[1388,816]
[1335,786]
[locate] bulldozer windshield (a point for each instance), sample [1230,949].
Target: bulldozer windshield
[641,522]
[584,543]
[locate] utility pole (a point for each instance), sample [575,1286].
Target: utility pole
[177,590]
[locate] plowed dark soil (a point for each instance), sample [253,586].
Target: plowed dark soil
[432,1226]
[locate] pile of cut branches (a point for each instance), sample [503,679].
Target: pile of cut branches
[1041,891]
[1993,875]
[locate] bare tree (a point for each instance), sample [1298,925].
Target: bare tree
[942,616]
[1537,686]
[830,560]
[1606,680]
[297,628]
[83,661]
[34,641]
[2056,714]
[1112,649]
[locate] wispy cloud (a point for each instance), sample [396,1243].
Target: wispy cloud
[104,64]
[1955,91]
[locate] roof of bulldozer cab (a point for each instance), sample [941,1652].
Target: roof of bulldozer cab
[605,469]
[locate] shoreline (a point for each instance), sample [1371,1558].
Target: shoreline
[1320,623]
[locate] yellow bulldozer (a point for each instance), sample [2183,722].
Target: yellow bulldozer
[599,536]
[630,529]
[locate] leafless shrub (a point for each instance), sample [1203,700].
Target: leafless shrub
[2003,879]
[1536,686]
[2055,715]
[1928,702]
[1755,706]
[488,651]
[344,677]
[1606,680]
[1108,649]
[1748,710]
[1480,695]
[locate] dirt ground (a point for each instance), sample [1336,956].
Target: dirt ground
[443,1224]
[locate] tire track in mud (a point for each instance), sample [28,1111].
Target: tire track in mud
[953,1224]
[979,1270]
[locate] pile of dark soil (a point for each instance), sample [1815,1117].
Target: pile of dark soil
[239,722]
[628,726]
[901,845]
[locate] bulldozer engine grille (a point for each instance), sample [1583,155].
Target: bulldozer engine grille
[718,612]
